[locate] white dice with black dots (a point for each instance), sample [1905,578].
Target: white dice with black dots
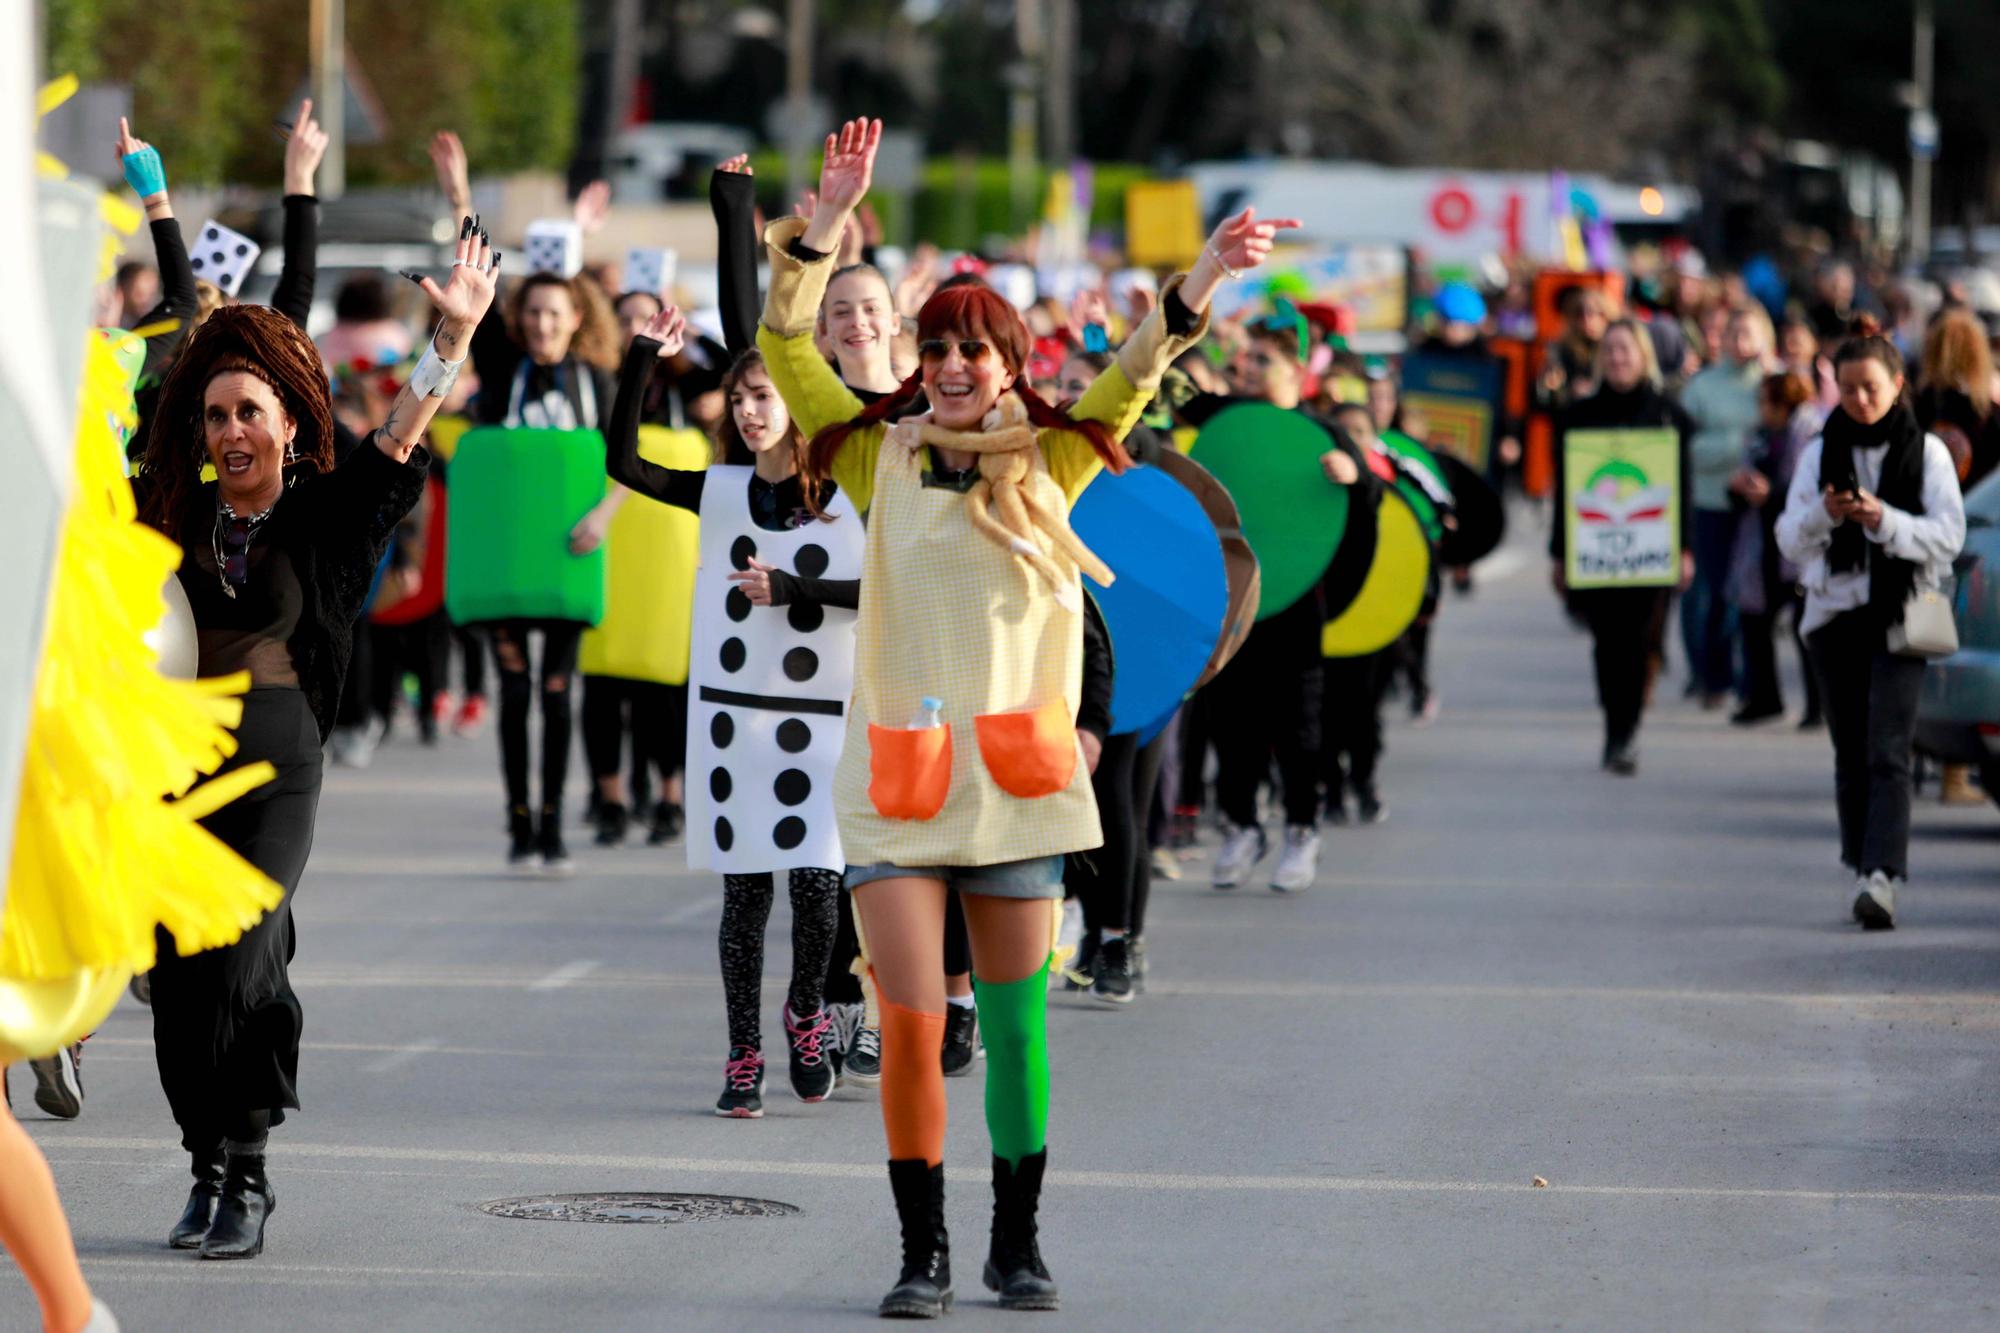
[768,688]
[222,256]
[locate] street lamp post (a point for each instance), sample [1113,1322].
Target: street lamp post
[329,85]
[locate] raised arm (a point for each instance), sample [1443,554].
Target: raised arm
[304,147]
[660,338]
[462,301]
[732,194]
[148,179]
[1119,396]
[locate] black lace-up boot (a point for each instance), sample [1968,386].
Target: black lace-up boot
[199,1215]
[924,1290]
[1014,1266]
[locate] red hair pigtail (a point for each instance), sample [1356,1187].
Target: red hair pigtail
[825,445]
[1048,417]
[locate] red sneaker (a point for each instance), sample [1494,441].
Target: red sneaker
[471,716]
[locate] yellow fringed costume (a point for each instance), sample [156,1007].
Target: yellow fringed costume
[102,852]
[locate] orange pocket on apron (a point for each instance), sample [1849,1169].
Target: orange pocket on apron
[909,772]
[1029,754]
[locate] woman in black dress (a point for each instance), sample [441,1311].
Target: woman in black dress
[277,557]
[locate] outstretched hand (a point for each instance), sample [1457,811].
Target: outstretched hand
[736,166]
[593,205]
[141,164]
[668,329]
[849,166]
[304,147]
[1242,242]
[475,267]
[453,170]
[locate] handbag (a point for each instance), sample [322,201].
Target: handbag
[1928,628]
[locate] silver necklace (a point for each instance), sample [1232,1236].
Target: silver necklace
[222,534]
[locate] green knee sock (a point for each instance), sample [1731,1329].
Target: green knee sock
[1013,1016]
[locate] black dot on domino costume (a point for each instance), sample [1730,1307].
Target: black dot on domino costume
[737,605]
[741,551]
[725,836]
[720,785]
[793,735]
[805,617]
[800,664]
[812,560]
[790,832]
[722,730]
[733,653]
[211,235]
[792,787]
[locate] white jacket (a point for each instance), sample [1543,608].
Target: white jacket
[1930,540]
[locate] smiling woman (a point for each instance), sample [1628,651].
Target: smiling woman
[960,767]
[277,555]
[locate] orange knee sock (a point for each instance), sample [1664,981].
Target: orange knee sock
[912,1083]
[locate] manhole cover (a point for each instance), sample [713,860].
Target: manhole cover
[660,1208]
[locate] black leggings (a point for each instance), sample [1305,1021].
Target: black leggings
[746,909]
[1266,702]
[654,714]
[560,641]
[423,649]
[1624,624]
[1351,723]
[472,658]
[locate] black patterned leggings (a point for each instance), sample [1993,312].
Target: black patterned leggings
[746,908]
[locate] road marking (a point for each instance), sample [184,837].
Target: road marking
[400,1056]
[1178,1182]
[167,1265]
[566,975]
[700,907]
[361,1048]
[471,867]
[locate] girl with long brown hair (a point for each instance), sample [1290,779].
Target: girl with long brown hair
[773,652]
[961,768]
[277,556]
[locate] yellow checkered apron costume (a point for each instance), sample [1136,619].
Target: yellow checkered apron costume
[945,610]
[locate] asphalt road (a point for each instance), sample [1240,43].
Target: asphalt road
[1329,1111]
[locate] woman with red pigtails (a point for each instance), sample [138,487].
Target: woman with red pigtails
[961,769]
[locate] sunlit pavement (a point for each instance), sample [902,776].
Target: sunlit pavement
[1329,1109]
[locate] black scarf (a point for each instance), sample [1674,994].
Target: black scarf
[1901,486]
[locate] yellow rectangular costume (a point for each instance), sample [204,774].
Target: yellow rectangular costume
[947,612]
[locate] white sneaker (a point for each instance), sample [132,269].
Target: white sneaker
[1299,862]
[1875,902]
[1243,848]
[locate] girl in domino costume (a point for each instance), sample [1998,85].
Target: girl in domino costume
[770,670]
[973,597]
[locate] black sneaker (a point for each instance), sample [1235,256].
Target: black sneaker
[668,821]
[1336,812]
[59,1082]
[612,819]
[1136,949]
[742,1085]
[812,1069]
[961,1022]
[862,1065]
[522,851]
[549,843]
[1370,808]
[1076,975]
[1113,981]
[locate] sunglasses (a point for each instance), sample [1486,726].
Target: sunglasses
[235,552]
[934,350]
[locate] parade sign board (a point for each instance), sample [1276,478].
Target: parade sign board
[1458,398]
[1621,508]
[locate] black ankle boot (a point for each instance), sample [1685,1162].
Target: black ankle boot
[521,849]
[924,1290]
[199,1214]
[238,1230]
[1014,1265]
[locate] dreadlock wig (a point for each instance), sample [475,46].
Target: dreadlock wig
[256,340]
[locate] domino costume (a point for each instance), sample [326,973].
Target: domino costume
[767,690]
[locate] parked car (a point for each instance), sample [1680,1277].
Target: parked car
[1958,717]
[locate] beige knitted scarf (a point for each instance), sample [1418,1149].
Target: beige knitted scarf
[1000,504]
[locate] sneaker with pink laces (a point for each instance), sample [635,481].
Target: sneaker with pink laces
[812,1065]
[742,1085]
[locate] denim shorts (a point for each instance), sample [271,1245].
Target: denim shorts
[1038,877]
